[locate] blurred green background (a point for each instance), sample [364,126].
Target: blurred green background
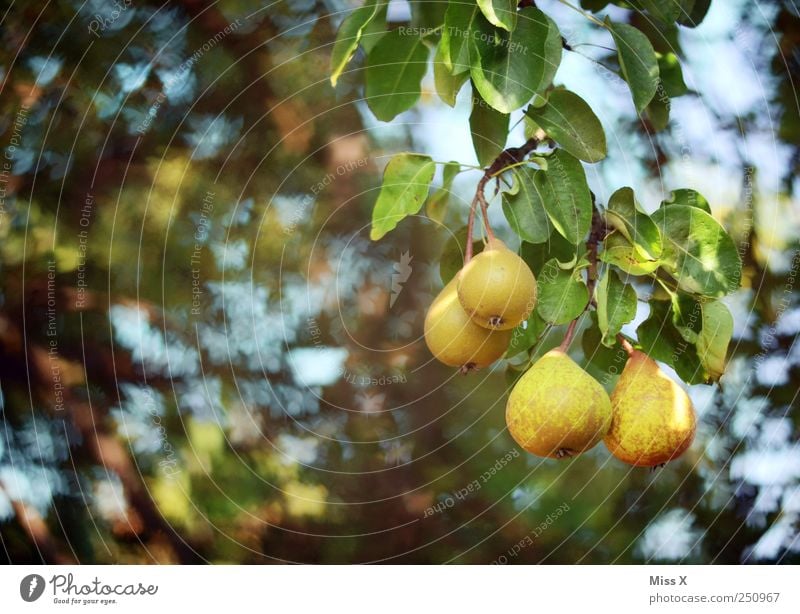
[204,358]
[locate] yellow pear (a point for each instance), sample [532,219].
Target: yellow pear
[653,418]
[556,409]
[454,339]
[497,288]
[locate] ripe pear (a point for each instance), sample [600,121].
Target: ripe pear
[497,288]
[556,409]
[653,418]
[454,339]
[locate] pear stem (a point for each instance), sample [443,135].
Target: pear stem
[626,345]
[570,334]
[508,157]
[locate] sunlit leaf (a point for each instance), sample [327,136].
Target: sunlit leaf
[712,344]
[395,68]
[500,13]
[508,68]
[403,192]
[698,252]
[437,204]
[562,294]
[570,121]
[349,36]
[637,60]
[616,306]
[626,216]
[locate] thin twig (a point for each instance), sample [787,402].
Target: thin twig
[626,345]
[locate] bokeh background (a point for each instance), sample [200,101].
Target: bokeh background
[203,358]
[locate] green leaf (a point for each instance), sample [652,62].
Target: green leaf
[638,62]
[666,11]
[508,68]
[625,215]
[566,197]
[618,251]
[536,255]
[698,252]
[437,204]
[524,209]
[349,35]
[616,306]
[712,344]
[523,338]
[686,315]
[594,5]
[404,190]
[694,11]
[570,121]
[489,129]
[603,363]
[447,84]
[661,341]
[452,258]
[562,294]
[657,110]
[690,198]
[500,13]
[459,24]
[669,69]
[395,68]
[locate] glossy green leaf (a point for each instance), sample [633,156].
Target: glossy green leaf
[626,216]
[500,13]
[395,68]
[638,62]
[436,207]
[617,250]
[657,110]
[601,362]
[489,130]
[349,36]
[459,24]
[566,197]
[661,341]
[403,192]
[669,69]
[524,209]
[698,252]
[536,255]
[689,198]
[666,11]
[712,344]
[570,122]
[562,294]
[686,315]
[616,306]
[447,84]
[524,337]
[508,68]
[694,11]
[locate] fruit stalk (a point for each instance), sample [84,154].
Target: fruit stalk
[507,157]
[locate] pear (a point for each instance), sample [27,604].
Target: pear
[653,418]
[454,339]
[496,288]
[556,409]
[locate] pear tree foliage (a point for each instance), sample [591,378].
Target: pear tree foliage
[594,262]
